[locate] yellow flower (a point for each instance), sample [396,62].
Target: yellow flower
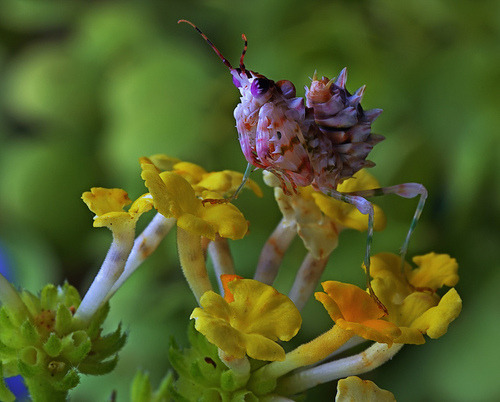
[108,205]
[353,309]
[164,162]
[252,323]
[355,389]
[320,218]
[411,301]
[173,196]
[225,182]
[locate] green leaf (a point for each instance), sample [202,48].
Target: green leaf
[97,320]
[9,297]
[97,368]
[48,297]
[141,388]
[109,344]
[177,360]
[6,319]
[71,296]
[53,345]
[30,362]
[29,332]
[163,392]
[76,346]
[231,382]
[69,381]
[64,320]
[31,301]
[7,352]
[244,396]
[5,394]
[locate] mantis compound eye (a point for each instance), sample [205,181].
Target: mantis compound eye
[260,86]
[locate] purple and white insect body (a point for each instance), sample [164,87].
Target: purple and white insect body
[268,124]
[345,138]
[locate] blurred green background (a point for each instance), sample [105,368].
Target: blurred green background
[88,87]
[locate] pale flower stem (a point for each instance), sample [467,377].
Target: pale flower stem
[220,254]
[351,343]
[273,251]
[193,262]
[144,245]
[110,271]
[239,367]
[306,280]
[370,359]
[304,355]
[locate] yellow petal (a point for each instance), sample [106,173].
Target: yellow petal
[261,348]
[220,333]
[435,321]
[226,182]
[410,336]
[143,204]
[216,181]
[227,220]
[163,162]
[103,200]
[434,271]
[163,203]
[354,303]
[259,308]
[194,224]
[354,389]
[330,306]
[375,330]
[214,305]
[209,195]
[389,265]
[362,180]
[414,305]
[116,221]
[182,193]
[353,309]
[391,291]
[190,171]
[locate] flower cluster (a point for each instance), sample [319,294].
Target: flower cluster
[237,339]
[236,351]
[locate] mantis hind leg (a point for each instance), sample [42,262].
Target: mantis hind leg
[406,190]
[366,208]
